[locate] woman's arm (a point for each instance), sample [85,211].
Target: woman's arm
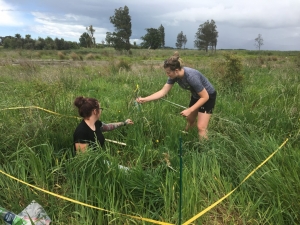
[112,126]
[204,96]
[157,95]
[81,147]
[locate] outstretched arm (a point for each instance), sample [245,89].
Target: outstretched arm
[157,95]
[112,126]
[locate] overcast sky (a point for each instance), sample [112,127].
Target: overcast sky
[238,21]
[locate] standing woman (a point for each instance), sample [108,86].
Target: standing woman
[203,94]
[89,131]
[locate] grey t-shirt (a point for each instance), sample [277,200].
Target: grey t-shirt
[194,81]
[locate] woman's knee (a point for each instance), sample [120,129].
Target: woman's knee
[191,122]
[202,129]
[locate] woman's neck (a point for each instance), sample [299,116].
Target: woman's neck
[91,123]
[181,73]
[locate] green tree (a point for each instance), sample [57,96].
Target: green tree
[27,37]
[85,40]
[122,23]
[18,36]
[181,40]
[259,41]
[73,45]
[90,30]
[8,42]
[184,41]
[109,38]
[162,34]
[61,44]
[49,44]
[152,39]
[28,42]
[233,77]
[39,43]
[18,41]
[206,36]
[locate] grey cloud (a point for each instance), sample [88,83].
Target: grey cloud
[238,22]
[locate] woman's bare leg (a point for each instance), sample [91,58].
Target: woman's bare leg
[191,119]
[202,124]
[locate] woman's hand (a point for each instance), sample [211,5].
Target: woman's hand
[140,100]
[186,112]
[129,121]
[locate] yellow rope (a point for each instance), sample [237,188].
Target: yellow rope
[220,200]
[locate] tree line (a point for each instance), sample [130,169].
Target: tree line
[18,42]
[205,37]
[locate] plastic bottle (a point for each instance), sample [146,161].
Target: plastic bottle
[11,218]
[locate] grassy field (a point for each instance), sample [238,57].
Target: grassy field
[249,123]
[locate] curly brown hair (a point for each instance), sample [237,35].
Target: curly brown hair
[86,106]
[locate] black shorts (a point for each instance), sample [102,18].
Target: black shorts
[208,106]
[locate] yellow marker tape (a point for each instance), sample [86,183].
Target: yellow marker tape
[55,113]
[140,218]
[137,88]
[82,203]
[220,200]
[37,107]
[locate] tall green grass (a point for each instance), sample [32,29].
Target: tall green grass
[246,128]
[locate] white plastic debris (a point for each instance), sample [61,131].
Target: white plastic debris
[36,213]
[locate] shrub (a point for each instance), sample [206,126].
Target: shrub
[218,68]
[74,56]
[105,53]
[124,65]
[232,77]
[61,55]
[117,67]
[261,60]
[90,56]
[38,54]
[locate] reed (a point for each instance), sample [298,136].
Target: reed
[246,128]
